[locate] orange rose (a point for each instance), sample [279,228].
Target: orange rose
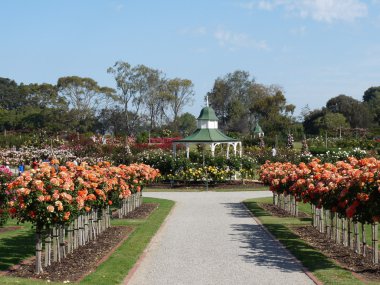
[66,216]
[50,208]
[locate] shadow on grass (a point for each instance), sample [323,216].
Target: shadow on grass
[15,249]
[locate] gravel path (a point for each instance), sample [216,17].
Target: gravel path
[210,238]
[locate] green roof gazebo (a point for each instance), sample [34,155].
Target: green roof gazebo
[207,133]
[258,131]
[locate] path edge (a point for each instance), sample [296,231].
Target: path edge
[145,252]
[304,269]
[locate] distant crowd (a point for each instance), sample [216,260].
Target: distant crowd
[33,164]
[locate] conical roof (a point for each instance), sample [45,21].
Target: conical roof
[207,135]
[258,129]
[208,114]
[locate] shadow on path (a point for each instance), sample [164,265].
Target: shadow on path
[258,246]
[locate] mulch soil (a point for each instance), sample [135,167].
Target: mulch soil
[345,257]
[8,229]
[360,266]
[143,211]
[86,258]
[276,211]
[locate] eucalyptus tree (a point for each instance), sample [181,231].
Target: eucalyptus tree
[371,99]
[239,101]
[154,94]
[131,86]
[181,93]
[357,114]
[227,92]
[84,96]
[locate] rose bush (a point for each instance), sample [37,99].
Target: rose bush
[50,195]
[351,189]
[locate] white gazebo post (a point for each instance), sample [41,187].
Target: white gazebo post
[234,145]
[228,150]
[187,150]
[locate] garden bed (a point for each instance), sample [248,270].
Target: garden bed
[9,229]
[83,261]
[361,266]
[143,211]
[86,258]
[346,257]
[278,212]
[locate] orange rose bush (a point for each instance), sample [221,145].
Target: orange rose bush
[347,191]
[74,198]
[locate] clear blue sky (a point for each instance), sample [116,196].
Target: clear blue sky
[314,49]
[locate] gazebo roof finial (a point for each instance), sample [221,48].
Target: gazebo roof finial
[206,98]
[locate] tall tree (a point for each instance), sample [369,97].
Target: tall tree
[42,95]
[234,86]
[130,83]
[273,111]
[356,113]
[187,123]
[83,95]
[181,94]
[10,97]
[371,99]
[154,94]
[331,122]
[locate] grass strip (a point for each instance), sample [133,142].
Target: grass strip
[318,264]
[117,266]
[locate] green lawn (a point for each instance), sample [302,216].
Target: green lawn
[322,267]
[18,245]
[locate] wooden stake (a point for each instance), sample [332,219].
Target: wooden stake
[337,237]
[357,237]
[48,247]
[38,268]
[364,248]
[328,228]
[350,235]
[321,220]
[344,229]
[76,229]
[70,238]
[375,245]
[332,216]
[55,244]
[61,233]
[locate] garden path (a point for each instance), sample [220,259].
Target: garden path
[210,238]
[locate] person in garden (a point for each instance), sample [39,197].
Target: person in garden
[274,151]
[21,168]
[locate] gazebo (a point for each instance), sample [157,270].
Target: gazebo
[207,133]
[258,131]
